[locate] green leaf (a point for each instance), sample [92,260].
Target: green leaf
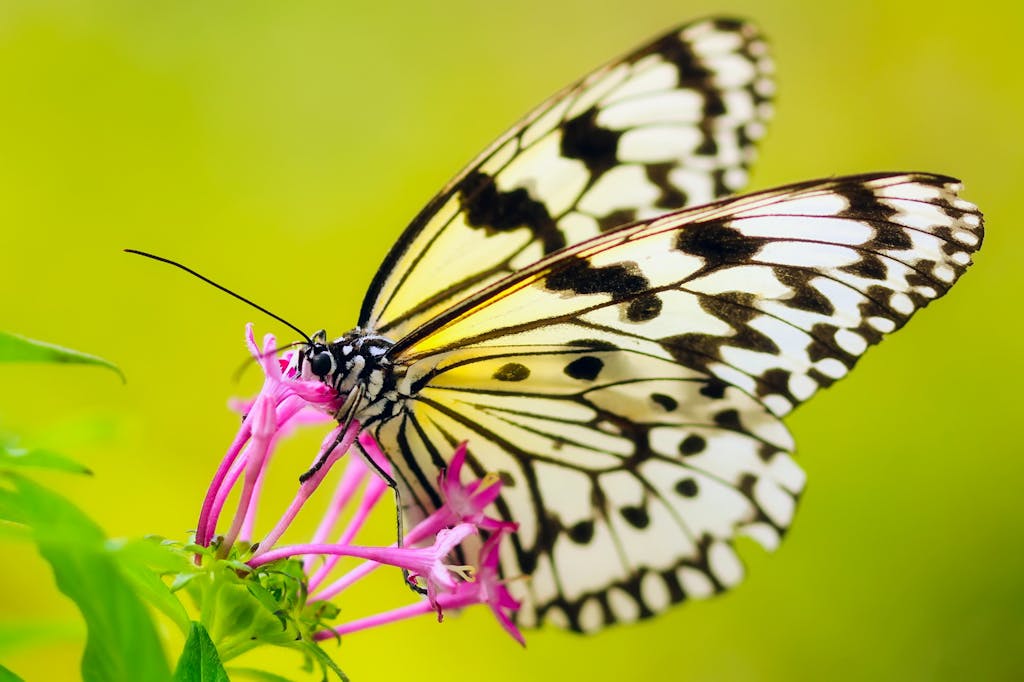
[142,562]
[23,633]
[11,508]
[199,660]
[325,661]
[7,676]
[11,458]
[122,643]
[14,348]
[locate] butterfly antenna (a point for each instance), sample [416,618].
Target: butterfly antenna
[209,281]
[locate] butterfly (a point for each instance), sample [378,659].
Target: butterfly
[617,336]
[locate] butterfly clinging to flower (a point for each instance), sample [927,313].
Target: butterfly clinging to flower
[618,337]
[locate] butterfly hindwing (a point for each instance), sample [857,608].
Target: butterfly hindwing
[629,388]
[671,125]
[628,475]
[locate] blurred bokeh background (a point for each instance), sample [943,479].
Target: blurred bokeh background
[281,147]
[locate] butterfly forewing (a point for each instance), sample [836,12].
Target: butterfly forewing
[628,389]
[619,350]
[670,125]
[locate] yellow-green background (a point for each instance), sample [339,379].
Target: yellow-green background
[281,147]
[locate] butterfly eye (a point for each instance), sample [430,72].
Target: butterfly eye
[322,363]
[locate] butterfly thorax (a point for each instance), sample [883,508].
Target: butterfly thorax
[356,361]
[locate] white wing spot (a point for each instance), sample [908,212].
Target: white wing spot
[623,606]
[763,534]
[901,303]
[944,273]
[695,583]
[776,503]
[675,106]
[802,386]
[725,564]
[757,48]
[717,42]
[882,324]
[831,368]
[658,144]
[755,129]
[970,220]
[851,342]
[651,75]
[591,616]
[735,178]
[654,591]
[765,87]
[557,617]
[778,404]
[619,187]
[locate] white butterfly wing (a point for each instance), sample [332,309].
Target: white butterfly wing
[628,389]
[671,125]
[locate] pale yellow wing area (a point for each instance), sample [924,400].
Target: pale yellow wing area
[672,124]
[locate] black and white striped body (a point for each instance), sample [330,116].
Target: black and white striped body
[355,365]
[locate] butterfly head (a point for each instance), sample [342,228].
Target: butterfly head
[317,356]
[358,357]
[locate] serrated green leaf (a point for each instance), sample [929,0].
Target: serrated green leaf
[14,348]
[199,660]
[325,661]
[122,643]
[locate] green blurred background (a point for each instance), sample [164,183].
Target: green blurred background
[281,148]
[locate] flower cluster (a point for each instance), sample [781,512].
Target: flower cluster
[287,401]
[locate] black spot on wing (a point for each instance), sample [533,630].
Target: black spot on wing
[585,368]
[585,140]
[636,516]
[891,238]
[692,445]
[581,533]
[687,487]
[578,276]
[592,344]
[713,388]
[643,308]
[666,402]
[512,371]
[805,296]
[729,419]
[692,73]
[863,204]
[616,219]
[868,266]
[697,351]
[493,210]
[717,244]
[671,197]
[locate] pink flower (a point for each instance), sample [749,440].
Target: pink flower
[286,401]
[487,588]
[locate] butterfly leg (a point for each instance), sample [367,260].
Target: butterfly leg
[399,526]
